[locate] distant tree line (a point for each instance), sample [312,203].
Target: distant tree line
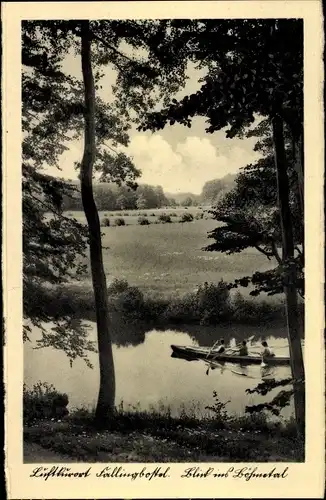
[115,197]
[110,196]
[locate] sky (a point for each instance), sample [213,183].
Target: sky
[178,158]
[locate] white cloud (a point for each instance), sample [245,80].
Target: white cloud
[188,166]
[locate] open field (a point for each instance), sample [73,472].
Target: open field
[167,259]
[152,214]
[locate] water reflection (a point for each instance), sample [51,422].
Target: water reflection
[124,332]
[146,374]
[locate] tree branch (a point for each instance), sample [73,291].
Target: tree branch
[275,252]
[268,254]
[298,250]
[112,149]
[49,208]
[112,48]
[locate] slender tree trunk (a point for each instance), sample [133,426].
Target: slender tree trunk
[297,154]
[293,321]
[106,397]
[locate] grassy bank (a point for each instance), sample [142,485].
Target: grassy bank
[149,436]
[153,437]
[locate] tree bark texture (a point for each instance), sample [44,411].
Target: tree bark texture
[293,321]
[106,396]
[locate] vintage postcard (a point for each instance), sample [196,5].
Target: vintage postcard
[163,249]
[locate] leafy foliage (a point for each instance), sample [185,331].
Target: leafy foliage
[258,63]
[249,217]
[258,70]
[52,116]
[42,402]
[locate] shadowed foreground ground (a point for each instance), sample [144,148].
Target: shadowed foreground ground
[67,442]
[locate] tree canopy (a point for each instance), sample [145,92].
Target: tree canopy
[253,66]
[52,117]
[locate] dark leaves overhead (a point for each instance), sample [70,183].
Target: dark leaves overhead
[52,117]
[254,66]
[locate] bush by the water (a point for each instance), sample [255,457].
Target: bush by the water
[43,402]
[187,217]
[119,221]
[210,304]
[118,286]
[130,303]
[105,222]
[165,218]
[251,311]
[142,221]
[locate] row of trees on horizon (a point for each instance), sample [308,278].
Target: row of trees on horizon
[122,197]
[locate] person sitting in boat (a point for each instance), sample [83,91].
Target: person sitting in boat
[220,348]
[267,352]
[243,350]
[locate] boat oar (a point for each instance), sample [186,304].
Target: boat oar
[208,354]
[212,364]
[241,374]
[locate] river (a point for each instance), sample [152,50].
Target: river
[148,377]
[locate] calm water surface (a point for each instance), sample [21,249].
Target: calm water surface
[147,376]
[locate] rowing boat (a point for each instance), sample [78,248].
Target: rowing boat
[192,353]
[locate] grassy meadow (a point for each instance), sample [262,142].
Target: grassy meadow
[167,259]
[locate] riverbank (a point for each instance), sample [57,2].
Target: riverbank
[150,437]
[209,304]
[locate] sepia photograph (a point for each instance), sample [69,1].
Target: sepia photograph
[163,212]
[165,260]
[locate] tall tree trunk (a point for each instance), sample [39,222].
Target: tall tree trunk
[106,396]
[293,322]
[297,154]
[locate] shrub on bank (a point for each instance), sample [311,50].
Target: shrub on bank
[43,402]
[181,310]
[165,218]
[187,217]
[210,304]
[142,221]
[251,311]
[119,221]
[130,304]
[118,286]
[105,222]
[213,302]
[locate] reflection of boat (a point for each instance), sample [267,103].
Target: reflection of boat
[192,353]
